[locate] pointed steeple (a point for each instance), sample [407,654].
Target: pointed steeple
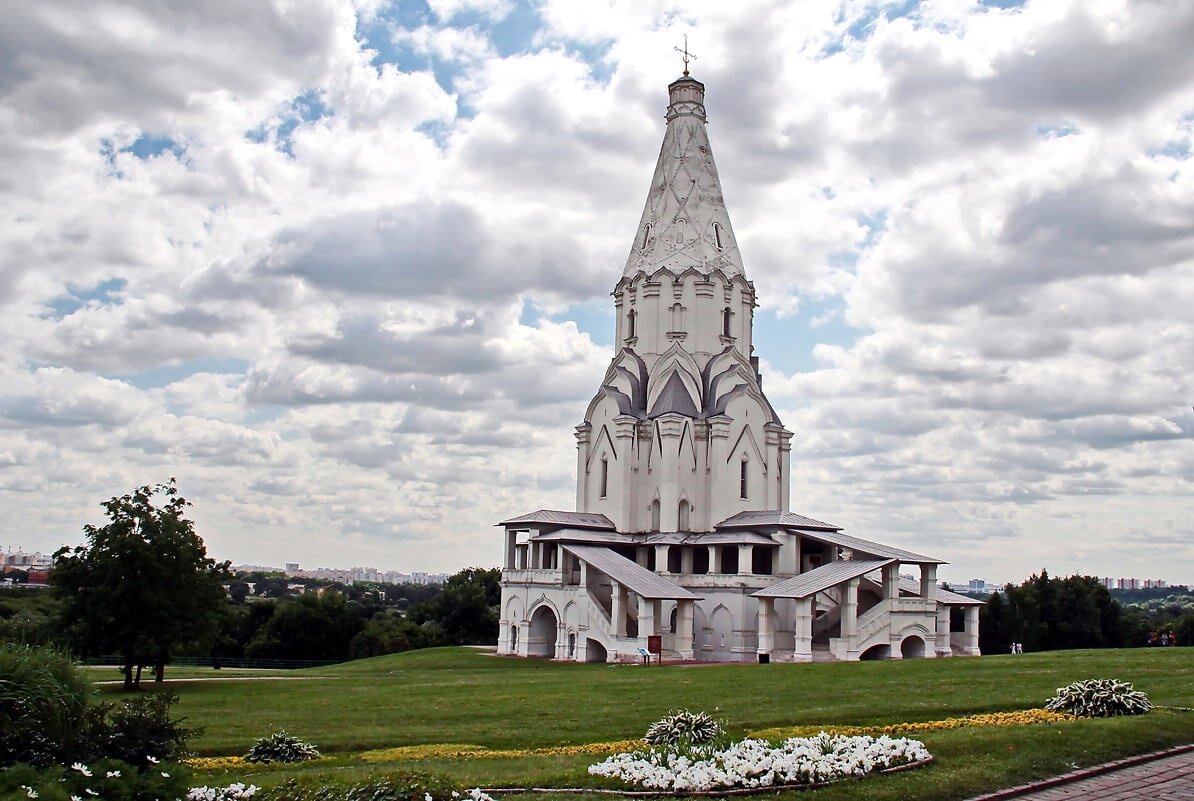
[685,223]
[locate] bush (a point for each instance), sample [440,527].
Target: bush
[281,747]
[683,727]
[1099,698]
[138,731]
[107,779]
[42,698]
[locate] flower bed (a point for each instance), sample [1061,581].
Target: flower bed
[1022,717]
[758,764]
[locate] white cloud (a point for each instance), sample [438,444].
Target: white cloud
[252,249]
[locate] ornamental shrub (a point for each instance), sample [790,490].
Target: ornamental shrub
[683,727]
[139,731]
[281,747]
[42,698]
[1099,698]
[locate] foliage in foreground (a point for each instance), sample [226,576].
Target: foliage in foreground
[107,779]
[1099,698]
[48,716]
[42,699]
[281,747]
[683,727]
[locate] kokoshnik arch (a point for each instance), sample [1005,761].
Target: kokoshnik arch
[682,528]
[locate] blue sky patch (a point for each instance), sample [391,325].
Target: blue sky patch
[165,375]
[787,343]
[147,146]
[104,293]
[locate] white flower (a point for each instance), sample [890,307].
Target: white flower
[113,773]
[29,791]
[79,766]
[165,775]
[91,792]
[456,794]
[151,760]
[427,797]
[75,798]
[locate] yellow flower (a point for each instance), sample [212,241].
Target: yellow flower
[1023,717]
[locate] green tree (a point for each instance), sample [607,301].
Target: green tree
[142,585]
[467,609]
[311,626]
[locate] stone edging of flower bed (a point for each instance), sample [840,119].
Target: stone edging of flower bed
[1084,773]
[696,793]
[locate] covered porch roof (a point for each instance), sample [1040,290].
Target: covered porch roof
[630,575]
[822,578]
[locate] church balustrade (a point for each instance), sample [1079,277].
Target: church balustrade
[532,576]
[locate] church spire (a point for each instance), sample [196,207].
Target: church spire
[685,224]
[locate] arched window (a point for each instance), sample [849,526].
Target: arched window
[743,481]
[677,317]
[681,231]
[717,236]
[655,515]
[604,476]
[726,316]
[646,237]
[682,516]
[630,315]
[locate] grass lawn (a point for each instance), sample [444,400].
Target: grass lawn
[463,696]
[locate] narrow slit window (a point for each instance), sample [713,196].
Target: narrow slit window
[630,324]
[717,236]
[646,237]
[604,477]
[725,321]
[743,481]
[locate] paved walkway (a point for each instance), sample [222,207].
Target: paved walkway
[1165,776]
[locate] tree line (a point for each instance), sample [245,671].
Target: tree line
[1046,614]
[143,588]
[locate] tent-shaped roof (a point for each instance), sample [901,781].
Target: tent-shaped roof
[776,517]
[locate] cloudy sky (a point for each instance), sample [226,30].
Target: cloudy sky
[343,266]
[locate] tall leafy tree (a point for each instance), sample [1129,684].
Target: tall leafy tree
[142,584]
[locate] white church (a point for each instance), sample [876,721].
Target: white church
[682,543]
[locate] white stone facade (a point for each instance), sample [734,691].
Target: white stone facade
[682,542]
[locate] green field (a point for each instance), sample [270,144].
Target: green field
[459,695]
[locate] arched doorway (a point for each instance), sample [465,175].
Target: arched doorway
[514,639]
[875,652]
[912,648]
[571,645]
[541,639]
[594,651]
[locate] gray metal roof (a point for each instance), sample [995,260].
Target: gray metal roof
[822,578]
[629,574]
[943,596]
[694,538]
[871,548]
[558,518]
[776,517]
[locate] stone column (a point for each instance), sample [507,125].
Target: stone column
[928,582]
[891,581]
[648,613]
[850,619]
[766,625]
[524,634]
[971,648]
[683,640]
[661,552]
[503,636]
[536,555]
[511,547]
[745,554]
[803,650]
[686,561]
[618,608]
[714,558]
[943,645]
[561,642]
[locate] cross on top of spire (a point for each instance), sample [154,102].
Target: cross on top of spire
[686,55]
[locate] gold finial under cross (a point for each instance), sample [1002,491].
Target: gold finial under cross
[686,55]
